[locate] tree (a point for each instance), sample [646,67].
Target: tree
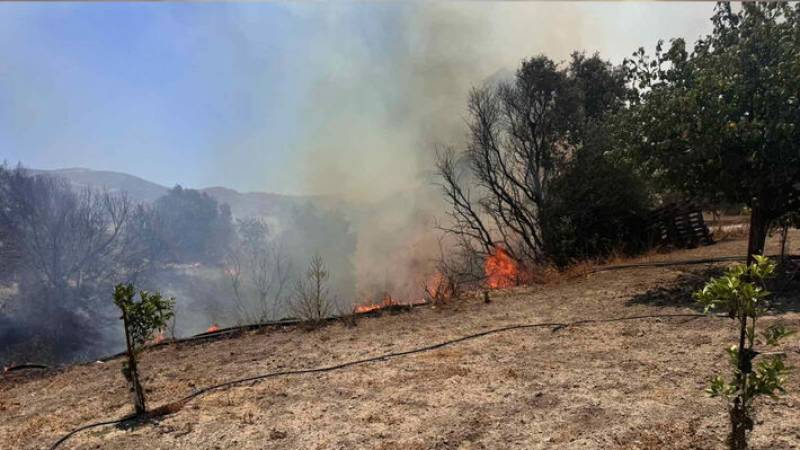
[522,136]
[722,123]
[62,249]
[194,226]
[595,207]
[141,320]
[257,271]
[312,299]
[742,294]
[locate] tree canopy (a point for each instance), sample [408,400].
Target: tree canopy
[194,226]
[721,122]
[524,137]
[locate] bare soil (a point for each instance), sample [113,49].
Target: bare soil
[620,385]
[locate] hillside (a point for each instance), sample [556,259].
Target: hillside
[634,384]
[140,190]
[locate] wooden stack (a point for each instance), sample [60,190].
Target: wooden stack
[680,226]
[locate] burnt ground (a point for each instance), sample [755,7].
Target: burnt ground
[621,385]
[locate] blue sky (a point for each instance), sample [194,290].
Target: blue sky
[294,98]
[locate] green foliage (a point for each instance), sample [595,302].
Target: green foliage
[721,124]
[595,207]
[774,333]
[537,176]
[741,293]
[144,317]
[736,291]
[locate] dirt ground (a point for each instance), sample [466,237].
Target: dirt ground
[621,385]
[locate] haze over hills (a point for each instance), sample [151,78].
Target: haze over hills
[140,190]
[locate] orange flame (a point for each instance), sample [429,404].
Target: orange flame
[159,338]
[438,288]
[500,269]
[387,301]
[214,327]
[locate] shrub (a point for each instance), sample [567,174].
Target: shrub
[142,320]
[595,207]
[741,293]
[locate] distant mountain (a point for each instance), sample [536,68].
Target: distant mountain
[138,189]
[141,190]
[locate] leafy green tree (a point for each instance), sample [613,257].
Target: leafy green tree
[741,293]
[722,123]
[595,207]
[142,319]
[194,227]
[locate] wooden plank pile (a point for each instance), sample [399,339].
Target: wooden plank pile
[680,226]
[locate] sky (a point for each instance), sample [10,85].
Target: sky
[300,98]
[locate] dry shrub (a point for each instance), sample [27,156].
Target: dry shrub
[541,273]
[457,270]
[349,318]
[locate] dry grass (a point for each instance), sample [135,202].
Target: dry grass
[625,385]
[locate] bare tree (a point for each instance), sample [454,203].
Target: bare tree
[457,269]
[69,248]
[312,300]
[69,240]
[257,271]
[520,135]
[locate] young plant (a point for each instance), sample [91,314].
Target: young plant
[142,319]
[742,294]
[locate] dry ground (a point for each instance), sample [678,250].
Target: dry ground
[623,385]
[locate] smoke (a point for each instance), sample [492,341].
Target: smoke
[391,85]
[349,107]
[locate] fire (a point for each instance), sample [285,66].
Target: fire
[159,338]
[438,287]
[387,301]
[214,327]
[500,269]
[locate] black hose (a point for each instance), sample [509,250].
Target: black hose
[556,325]
[12,368]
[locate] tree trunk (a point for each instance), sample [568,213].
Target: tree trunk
[759,225]
[738,411]
[784,239]
[740,424]
[133,371]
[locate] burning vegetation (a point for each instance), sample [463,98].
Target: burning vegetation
[501,270]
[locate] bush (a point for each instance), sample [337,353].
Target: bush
[595,207]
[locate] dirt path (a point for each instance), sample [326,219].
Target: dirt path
[618,385]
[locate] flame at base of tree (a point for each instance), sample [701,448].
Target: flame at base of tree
[386,302]
[214,327]
[500,269]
